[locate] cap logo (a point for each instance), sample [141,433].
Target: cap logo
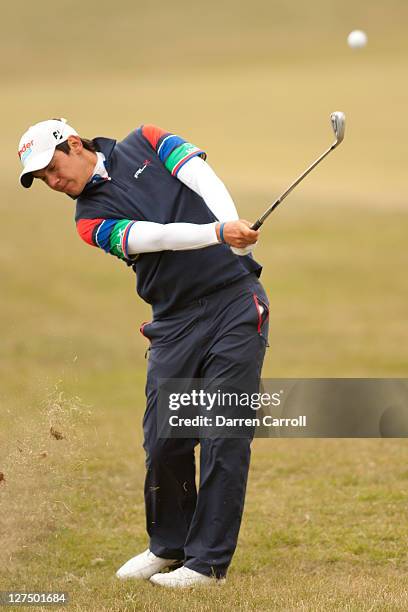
[57,135]
[25,150]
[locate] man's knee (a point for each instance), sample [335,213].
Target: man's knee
[167,451]
[155,453]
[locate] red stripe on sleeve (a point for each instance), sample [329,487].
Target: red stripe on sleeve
[85,228]
[153,134]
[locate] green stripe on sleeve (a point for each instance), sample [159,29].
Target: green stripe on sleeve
[178,154]
[116,238]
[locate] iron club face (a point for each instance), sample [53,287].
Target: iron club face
[338,120]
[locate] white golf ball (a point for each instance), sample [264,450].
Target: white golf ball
[357,39]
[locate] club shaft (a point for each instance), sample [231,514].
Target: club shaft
[300,178]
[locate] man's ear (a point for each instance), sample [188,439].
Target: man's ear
[75,144]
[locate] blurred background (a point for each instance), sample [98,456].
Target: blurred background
[254,85]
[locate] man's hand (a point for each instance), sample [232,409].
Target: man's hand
[245,251]
[238,233]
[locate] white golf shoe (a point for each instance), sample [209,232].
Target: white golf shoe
[144,566]
[184,577]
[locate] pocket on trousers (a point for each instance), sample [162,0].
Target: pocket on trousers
[165,331]
[262,315]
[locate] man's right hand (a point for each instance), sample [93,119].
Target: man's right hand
[238,233]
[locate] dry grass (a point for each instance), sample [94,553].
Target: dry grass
[40,461]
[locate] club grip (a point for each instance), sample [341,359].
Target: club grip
[256,225]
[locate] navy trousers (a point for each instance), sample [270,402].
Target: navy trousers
[220,336]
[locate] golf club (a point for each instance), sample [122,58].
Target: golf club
[338,121]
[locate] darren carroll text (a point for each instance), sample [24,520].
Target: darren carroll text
[221,421]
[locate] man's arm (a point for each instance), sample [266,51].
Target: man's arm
[125,238]
[186,162]
[148,237]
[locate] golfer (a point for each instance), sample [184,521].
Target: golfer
[152,201]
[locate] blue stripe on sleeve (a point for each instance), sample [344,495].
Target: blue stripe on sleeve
[167,145]
[102,237]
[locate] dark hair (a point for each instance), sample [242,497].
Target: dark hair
[87,144]
[64,146]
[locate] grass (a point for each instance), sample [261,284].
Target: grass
[325,521]
[325,527]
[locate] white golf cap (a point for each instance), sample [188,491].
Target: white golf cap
[37,146]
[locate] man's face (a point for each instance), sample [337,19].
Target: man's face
[68,173]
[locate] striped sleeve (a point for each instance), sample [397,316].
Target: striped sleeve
[173,151]
[111,235]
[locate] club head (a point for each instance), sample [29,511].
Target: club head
[338,120]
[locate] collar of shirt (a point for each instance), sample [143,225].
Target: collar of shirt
[99,172]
